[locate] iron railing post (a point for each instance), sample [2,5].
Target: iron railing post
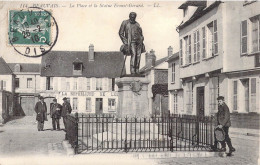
[77,137]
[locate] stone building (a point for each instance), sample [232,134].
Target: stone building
[26,87]
[6,91]
[156,72]
[87,79]
[218,56]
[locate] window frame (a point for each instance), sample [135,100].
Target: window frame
[17,82]
[110,101]
[29,83]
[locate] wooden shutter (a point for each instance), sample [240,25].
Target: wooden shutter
[215,29]
[181,56]
[244,37]
[93,83]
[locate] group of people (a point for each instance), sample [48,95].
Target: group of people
[56,112]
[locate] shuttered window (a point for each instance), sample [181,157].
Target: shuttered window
[181,55]
[204,43]
[244,37]
[235,95]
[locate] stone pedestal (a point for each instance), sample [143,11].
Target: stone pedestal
[132,97]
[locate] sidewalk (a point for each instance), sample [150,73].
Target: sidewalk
[245,131]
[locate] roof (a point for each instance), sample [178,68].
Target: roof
[4,68]
[174,56]
[199,13]
[149,66]
[26,67]
[193,3]
[60,64]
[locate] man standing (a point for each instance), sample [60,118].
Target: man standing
[223,121]
[131,35]
[55,114]
[41,113]
[66,109]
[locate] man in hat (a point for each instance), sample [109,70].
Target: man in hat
[66,109]
[55,113]
[41,113]
[223,121]
[132,37]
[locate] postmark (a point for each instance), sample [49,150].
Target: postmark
[32,32]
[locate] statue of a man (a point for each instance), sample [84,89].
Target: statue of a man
[132,37]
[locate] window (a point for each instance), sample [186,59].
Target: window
[213,89]
[187,51]
[77,69]
[204,43]
[88,104]
[181,56]
[189,98]
[250,35]
[99,84]
[255,34]
[49,83]
[67,85]
[243,37]
[17,83]
[75,104]
[173,73]
[253,95]
[175,103]
[212,39]
[75,84]
[235,95]
[3,85]
[29,83]
[196,46]
[88,84]
[257,61]
[111,104]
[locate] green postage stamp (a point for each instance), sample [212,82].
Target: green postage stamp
[32,32]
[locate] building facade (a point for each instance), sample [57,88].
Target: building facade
[26,87]
[218,56]
[175,87]
[87,79]
[156,71]
[6,91]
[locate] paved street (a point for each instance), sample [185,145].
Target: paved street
[247,154]
[20,137]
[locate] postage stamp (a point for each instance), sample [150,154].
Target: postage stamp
[32,32]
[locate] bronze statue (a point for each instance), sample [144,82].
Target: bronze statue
[132,37]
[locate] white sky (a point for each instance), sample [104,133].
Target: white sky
[80,27]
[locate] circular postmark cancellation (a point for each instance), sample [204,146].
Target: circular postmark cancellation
[32,32]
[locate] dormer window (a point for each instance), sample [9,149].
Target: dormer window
[17,68]
[77,67]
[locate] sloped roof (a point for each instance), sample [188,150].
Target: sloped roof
[4,68]
[60,64]
[193,3]
[175,55]
[149,66]
[26,67]
[201,10]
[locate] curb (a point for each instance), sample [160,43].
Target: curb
[69,150]
[178,154]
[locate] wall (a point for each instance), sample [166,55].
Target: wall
[9,82]
[177,84]
[6,99]
[232,26]
[23,83]
[209,64]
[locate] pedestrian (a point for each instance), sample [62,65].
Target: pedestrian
[55,113]
[41,113]
[223,121]
[66,109]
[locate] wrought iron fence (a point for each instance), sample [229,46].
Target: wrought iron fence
[106,133]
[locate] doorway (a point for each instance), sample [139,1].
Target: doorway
[200,102]
[99,106]
[27,104]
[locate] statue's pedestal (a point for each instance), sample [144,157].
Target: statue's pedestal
[132,97]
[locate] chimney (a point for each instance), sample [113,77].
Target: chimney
[91,52]
[170,51]
[150,58]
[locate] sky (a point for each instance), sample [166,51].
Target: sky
[80,26]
